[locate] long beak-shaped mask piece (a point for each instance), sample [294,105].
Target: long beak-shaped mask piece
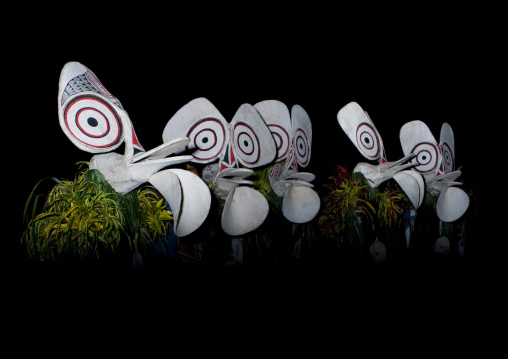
[360,129]
[95,121]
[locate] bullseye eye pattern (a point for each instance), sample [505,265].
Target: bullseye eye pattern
[368,140]
[427,157]
[447,158]
[302,147]
[246,143]
[208,137]
[281,138]
[93,122]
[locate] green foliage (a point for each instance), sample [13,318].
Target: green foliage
[86,218]
[343,208]
[353,207]
[262,185]
[429,200]
[154,219]
[392,203]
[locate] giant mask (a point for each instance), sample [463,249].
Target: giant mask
[360,129]
[231,150]
[293,137]
[436,163]
[95,121]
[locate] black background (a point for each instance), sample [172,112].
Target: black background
[415,65]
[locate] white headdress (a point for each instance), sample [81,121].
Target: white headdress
[95,121]
[436,163]
[293,137]
[360,129]
[244,141]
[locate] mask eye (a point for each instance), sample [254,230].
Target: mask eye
[281,138]
[368,141]
[426,157]
[246,143]
[207,137]
[302,147]
[447,158]
[93,122]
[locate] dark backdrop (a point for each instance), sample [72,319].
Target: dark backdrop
[400,70]
[399,63]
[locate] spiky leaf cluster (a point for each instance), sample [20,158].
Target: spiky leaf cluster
[86,217]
